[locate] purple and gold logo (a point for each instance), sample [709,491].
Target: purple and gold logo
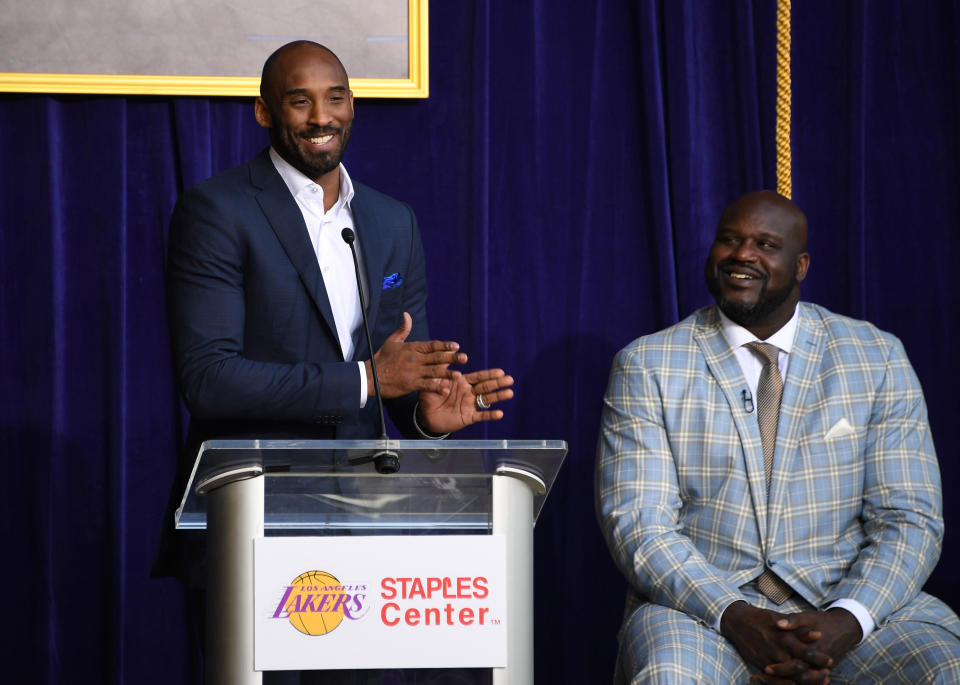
[315,603]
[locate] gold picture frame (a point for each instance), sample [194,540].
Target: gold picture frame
[415,85]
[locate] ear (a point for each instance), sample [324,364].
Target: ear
[262,112]
[803,263]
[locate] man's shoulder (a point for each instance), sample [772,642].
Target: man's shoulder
[683,331]
[239,180]
[843,330]
[366,196]
[375,210]
[678,339]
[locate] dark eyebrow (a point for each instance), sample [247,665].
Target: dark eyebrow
[769,235]
[303,91]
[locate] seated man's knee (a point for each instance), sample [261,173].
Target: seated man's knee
[660,645]
[946,671]
[908,653]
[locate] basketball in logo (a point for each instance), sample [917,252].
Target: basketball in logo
[312,604]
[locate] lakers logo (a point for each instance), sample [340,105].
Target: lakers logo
[316,602]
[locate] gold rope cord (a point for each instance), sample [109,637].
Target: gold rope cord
[784,181]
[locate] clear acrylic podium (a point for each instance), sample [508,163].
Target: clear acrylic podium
[243,489]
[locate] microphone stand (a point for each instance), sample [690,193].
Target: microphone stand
[384,460]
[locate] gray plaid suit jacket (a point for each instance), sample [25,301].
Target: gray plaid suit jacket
[854,508]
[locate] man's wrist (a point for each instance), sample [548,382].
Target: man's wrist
[859,612]
[426,434]
[729,614]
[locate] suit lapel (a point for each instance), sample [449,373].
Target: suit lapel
[374,250]
[286,220]
[726,370]
[802,375]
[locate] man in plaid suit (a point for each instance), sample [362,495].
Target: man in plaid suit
[850,524]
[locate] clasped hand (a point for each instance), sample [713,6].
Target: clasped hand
[448,398]
[790,648]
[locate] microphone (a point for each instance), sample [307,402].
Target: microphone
[385,460]
[747,400]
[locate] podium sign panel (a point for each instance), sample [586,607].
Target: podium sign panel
[380,602]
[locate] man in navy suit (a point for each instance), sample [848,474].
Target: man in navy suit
[264,313]
[263,303]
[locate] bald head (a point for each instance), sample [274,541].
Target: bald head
[276,65]
[778,212]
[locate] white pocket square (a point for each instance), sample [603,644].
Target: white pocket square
[839,429]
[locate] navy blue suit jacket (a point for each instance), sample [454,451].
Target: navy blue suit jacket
[254,341]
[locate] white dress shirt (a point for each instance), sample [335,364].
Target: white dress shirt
[751,364]
[333,254]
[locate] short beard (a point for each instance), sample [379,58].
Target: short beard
[320,166]
[749,315]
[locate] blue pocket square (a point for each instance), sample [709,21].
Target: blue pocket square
[392,281]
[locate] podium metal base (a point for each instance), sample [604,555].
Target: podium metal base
[235,516]
[513,518]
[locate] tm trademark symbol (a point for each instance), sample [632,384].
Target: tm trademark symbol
[495,621]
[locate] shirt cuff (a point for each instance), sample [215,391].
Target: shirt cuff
[859,612]
[363,384]
[424,433]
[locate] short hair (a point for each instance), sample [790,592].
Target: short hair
[268,67]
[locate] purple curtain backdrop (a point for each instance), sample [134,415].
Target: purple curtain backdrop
[567,171]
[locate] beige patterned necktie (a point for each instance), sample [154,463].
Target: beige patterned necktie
[769,393]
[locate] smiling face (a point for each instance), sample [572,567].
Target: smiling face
[758,260]
[307,105]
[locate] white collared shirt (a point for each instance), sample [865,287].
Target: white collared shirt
[333,254]
[751,364]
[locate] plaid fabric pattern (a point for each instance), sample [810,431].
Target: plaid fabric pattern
[660,645]
[904,652]
[680,482]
